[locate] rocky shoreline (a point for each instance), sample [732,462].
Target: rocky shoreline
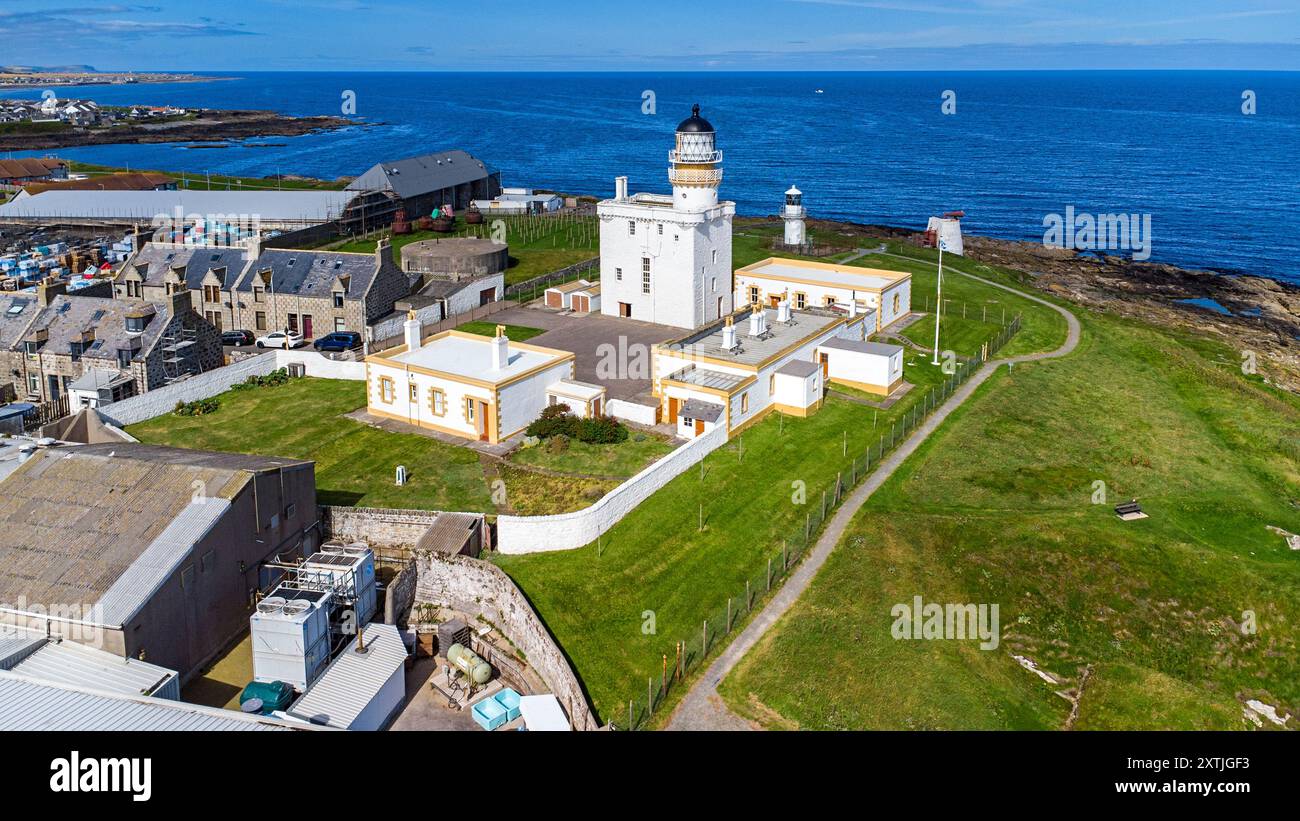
[209,126]
[1259,315]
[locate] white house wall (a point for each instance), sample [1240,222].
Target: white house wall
[523,401]
[455,393]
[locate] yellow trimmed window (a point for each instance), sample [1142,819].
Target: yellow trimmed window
[415,392]
[387,390]
[754,294]
[771,384]
[469,409]
[898,302]
[437,402]
[744,402]
[800,300]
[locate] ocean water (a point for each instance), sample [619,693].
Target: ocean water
[1222,188]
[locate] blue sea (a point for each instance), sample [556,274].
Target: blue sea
[1222,187]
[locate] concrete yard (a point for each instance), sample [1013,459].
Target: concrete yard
[625,371]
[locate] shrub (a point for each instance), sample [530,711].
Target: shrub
[557,444]
[279,376]
[199,407]
[601,430]
[555,420]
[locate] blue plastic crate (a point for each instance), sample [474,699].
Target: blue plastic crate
[489,714]
[509,699]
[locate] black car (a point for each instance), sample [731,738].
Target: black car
[237,338]
[338,341]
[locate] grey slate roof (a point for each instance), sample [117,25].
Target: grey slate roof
[878,348]
[66,317]
[16,313]
[801,368]
[425,174]
[154,261]
[312,273]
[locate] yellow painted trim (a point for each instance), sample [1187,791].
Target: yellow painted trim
[879,390]
[753,270]
[421,424]
[731,432]
[435,394]
[791,410]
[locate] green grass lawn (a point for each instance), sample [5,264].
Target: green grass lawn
[515,333]
[221,182]
[656,559]
[538,244]
[620,459]
[996,507]
[355,463]
[964,336]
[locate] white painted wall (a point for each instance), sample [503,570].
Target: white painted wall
[523,401]
[163,400]
[322,366]
[453,417]
[466,299]
[631,411]
[566,531]
[866,368]
[797,392]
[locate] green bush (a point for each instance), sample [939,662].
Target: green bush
[199,407]
[557,444]
[557,421]
[601,430]
[278,376]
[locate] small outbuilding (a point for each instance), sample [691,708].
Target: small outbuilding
[873,367]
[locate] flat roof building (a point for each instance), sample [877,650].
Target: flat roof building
[826,285]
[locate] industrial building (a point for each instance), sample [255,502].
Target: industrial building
[148,552]
[420,184]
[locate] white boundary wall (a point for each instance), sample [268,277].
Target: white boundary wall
[566,531]
[631,411]
[163,400]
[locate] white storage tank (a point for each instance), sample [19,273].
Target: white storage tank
[291,636]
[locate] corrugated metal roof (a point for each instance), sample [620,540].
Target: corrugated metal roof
[16,644]
[65,662]
[39,705]
[145,575]
[305,206]
[352,681]
[424,174]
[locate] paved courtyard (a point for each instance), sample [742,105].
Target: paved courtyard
[625,374]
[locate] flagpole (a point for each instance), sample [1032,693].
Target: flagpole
[938,308]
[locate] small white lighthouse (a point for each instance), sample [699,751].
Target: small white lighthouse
[793,214]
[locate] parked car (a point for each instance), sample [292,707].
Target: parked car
[237,338]
[276,339]
[338,341]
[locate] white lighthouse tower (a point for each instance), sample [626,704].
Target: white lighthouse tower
[793,213]
[667,259]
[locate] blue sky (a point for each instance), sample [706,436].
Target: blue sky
[738,35]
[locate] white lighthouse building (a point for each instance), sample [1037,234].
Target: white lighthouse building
[793,213]
[667,259]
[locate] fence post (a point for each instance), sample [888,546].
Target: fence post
[769,574]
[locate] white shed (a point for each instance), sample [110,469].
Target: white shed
[873,367]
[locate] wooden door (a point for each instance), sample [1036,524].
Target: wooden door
[699,427]
[595,407]
[826,365]
[672,410]
[625,310]
[306,326]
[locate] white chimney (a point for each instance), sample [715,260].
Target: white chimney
[500,349]
[758,321]
[620,189]
[411,330]
[253,247]
[783,308]
[853,306]
[728,336]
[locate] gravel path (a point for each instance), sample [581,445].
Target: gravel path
[702,708]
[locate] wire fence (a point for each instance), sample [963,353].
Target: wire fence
[689,653]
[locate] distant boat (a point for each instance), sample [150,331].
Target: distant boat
[819,91]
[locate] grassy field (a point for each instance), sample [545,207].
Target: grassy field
[997,507]
[215,181]
[538,244]
[620,460]
[355,463]
[515,333]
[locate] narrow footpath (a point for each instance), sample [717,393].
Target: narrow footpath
[702,708]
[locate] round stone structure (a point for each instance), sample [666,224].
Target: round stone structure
[465,256]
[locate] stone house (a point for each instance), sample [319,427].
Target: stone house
[108,348]
[248,288]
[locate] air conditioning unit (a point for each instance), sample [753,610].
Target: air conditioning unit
[297,369]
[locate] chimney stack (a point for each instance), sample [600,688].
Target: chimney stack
[620,189]
[500,349]
[757,320]
[728,336]
[253,247]
[411,331]
[48,289]
[783,308]
[383,252]
[853,306]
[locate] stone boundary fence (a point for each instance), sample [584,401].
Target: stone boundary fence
[378,527]
[537,284]
[566,531]
[478,587]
